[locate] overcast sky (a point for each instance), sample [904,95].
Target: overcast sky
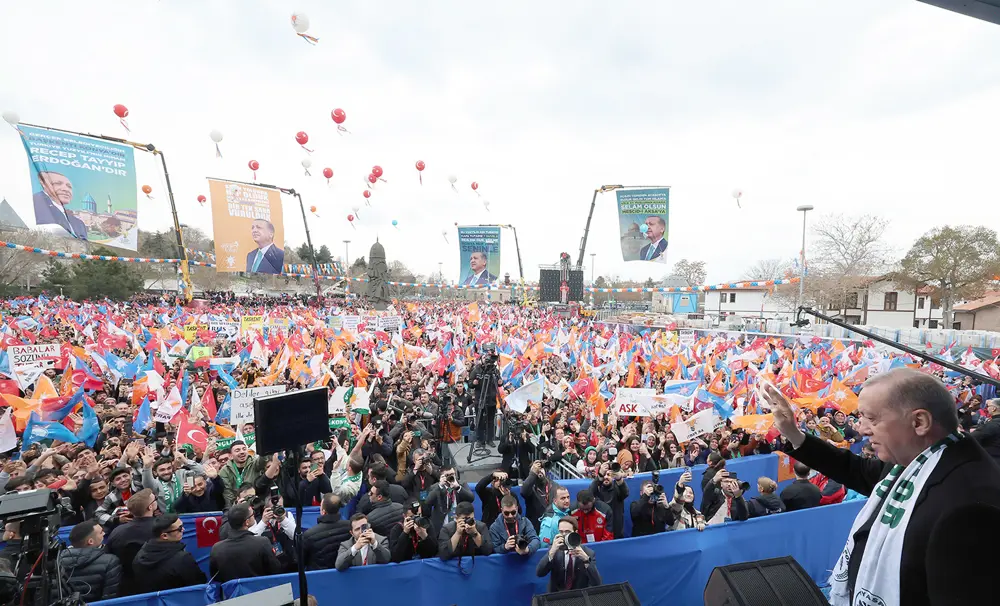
[850,105]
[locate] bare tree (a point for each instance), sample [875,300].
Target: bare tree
[846,251]
[21,268]
[692,271]
[768,269]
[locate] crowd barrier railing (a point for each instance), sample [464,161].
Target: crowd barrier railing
[669,568]
[201,530]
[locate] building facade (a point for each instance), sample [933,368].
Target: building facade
[884,303]
[752,302]
[980,314]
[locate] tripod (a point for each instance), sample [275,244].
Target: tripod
[488,376]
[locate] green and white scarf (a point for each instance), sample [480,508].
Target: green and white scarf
[878,577]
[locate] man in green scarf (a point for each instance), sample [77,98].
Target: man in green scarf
[242,467]
[166,481]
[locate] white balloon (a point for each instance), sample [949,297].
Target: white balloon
[11,117]
[216,136]
[444,232]
[452,179]
[306,163]
[737,193]
[356,209]
[300,22]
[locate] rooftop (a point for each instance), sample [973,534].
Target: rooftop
[989,299]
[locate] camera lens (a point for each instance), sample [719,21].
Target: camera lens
[522,543]
[573,540]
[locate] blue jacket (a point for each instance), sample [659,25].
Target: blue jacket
[550,524]
[498,534]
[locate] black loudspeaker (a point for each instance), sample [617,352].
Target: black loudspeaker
[762,583]
[576,285]
[289,420]
[620,594]
[548,285]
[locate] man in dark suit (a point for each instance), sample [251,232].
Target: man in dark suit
[801,494]
[243,554]
[655,228]
[951,511]
[480,276]
[266,258]
[988,434]
[50,204]
[570,568]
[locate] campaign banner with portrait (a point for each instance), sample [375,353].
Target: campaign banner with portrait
[248,227]
[479,255]
[82,187]
[643,221]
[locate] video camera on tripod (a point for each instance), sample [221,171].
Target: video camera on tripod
[36,574]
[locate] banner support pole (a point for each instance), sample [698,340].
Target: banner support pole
[312,251]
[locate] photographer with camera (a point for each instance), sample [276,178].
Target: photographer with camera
[568,563]
[538,492]
[491,489]
[465,536]
[484,379]
[651,511]
[515,446]
[275,524]
[413,539]
[364,548]
[612,490]
[444,497]
[512,532]
[422,476]
[723,495]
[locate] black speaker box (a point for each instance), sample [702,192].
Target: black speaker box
[620,594]
[548,285]
[289,420]
[762,583]
[576,285]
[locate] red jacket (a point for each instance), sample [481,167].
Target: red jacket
[832,491]
[593,526]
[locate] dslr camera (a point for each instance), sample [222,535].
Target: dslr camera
[572,541]
[657,488]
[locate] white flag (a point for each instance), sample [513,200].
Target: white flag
[532,391]
[8,438]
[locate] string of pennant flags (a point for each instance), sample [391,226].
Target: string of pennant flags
[333,267]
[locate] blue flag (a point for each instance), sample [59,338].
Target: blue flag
[91,428]
[37,430]
[145,417]
[222,416]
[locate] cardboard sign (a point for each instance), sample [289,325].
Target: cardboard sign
[686,337]
[629,401]
[351,323]
[248,323]
[225,330]
[390,323]
[242,401]
[23,357]
[335,322]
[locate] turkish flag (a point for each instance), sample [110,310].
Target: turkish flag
[208,403]
[207,530]
[10,387]
[189,433]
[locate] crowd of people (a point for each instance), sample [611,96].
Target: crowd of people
[131,423]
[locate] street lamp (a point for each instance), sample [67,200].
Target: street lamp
[804,209]
[347,264]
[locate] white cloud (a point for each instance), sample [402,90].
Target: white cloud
[850,105]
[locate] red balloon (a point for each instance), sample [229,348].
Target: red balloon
[121,111]
[147,189]
[368,194]
[253,164]
[301,137]
[350,217]
[372,178]
[338,115]
[327,172]
[420,165]
[312,209]
[475,186]
[202,199]
[377,170]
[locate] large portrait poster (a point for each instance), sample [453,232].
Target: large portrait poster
[249,233]
[643,219]
[479,251]
[82,187]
